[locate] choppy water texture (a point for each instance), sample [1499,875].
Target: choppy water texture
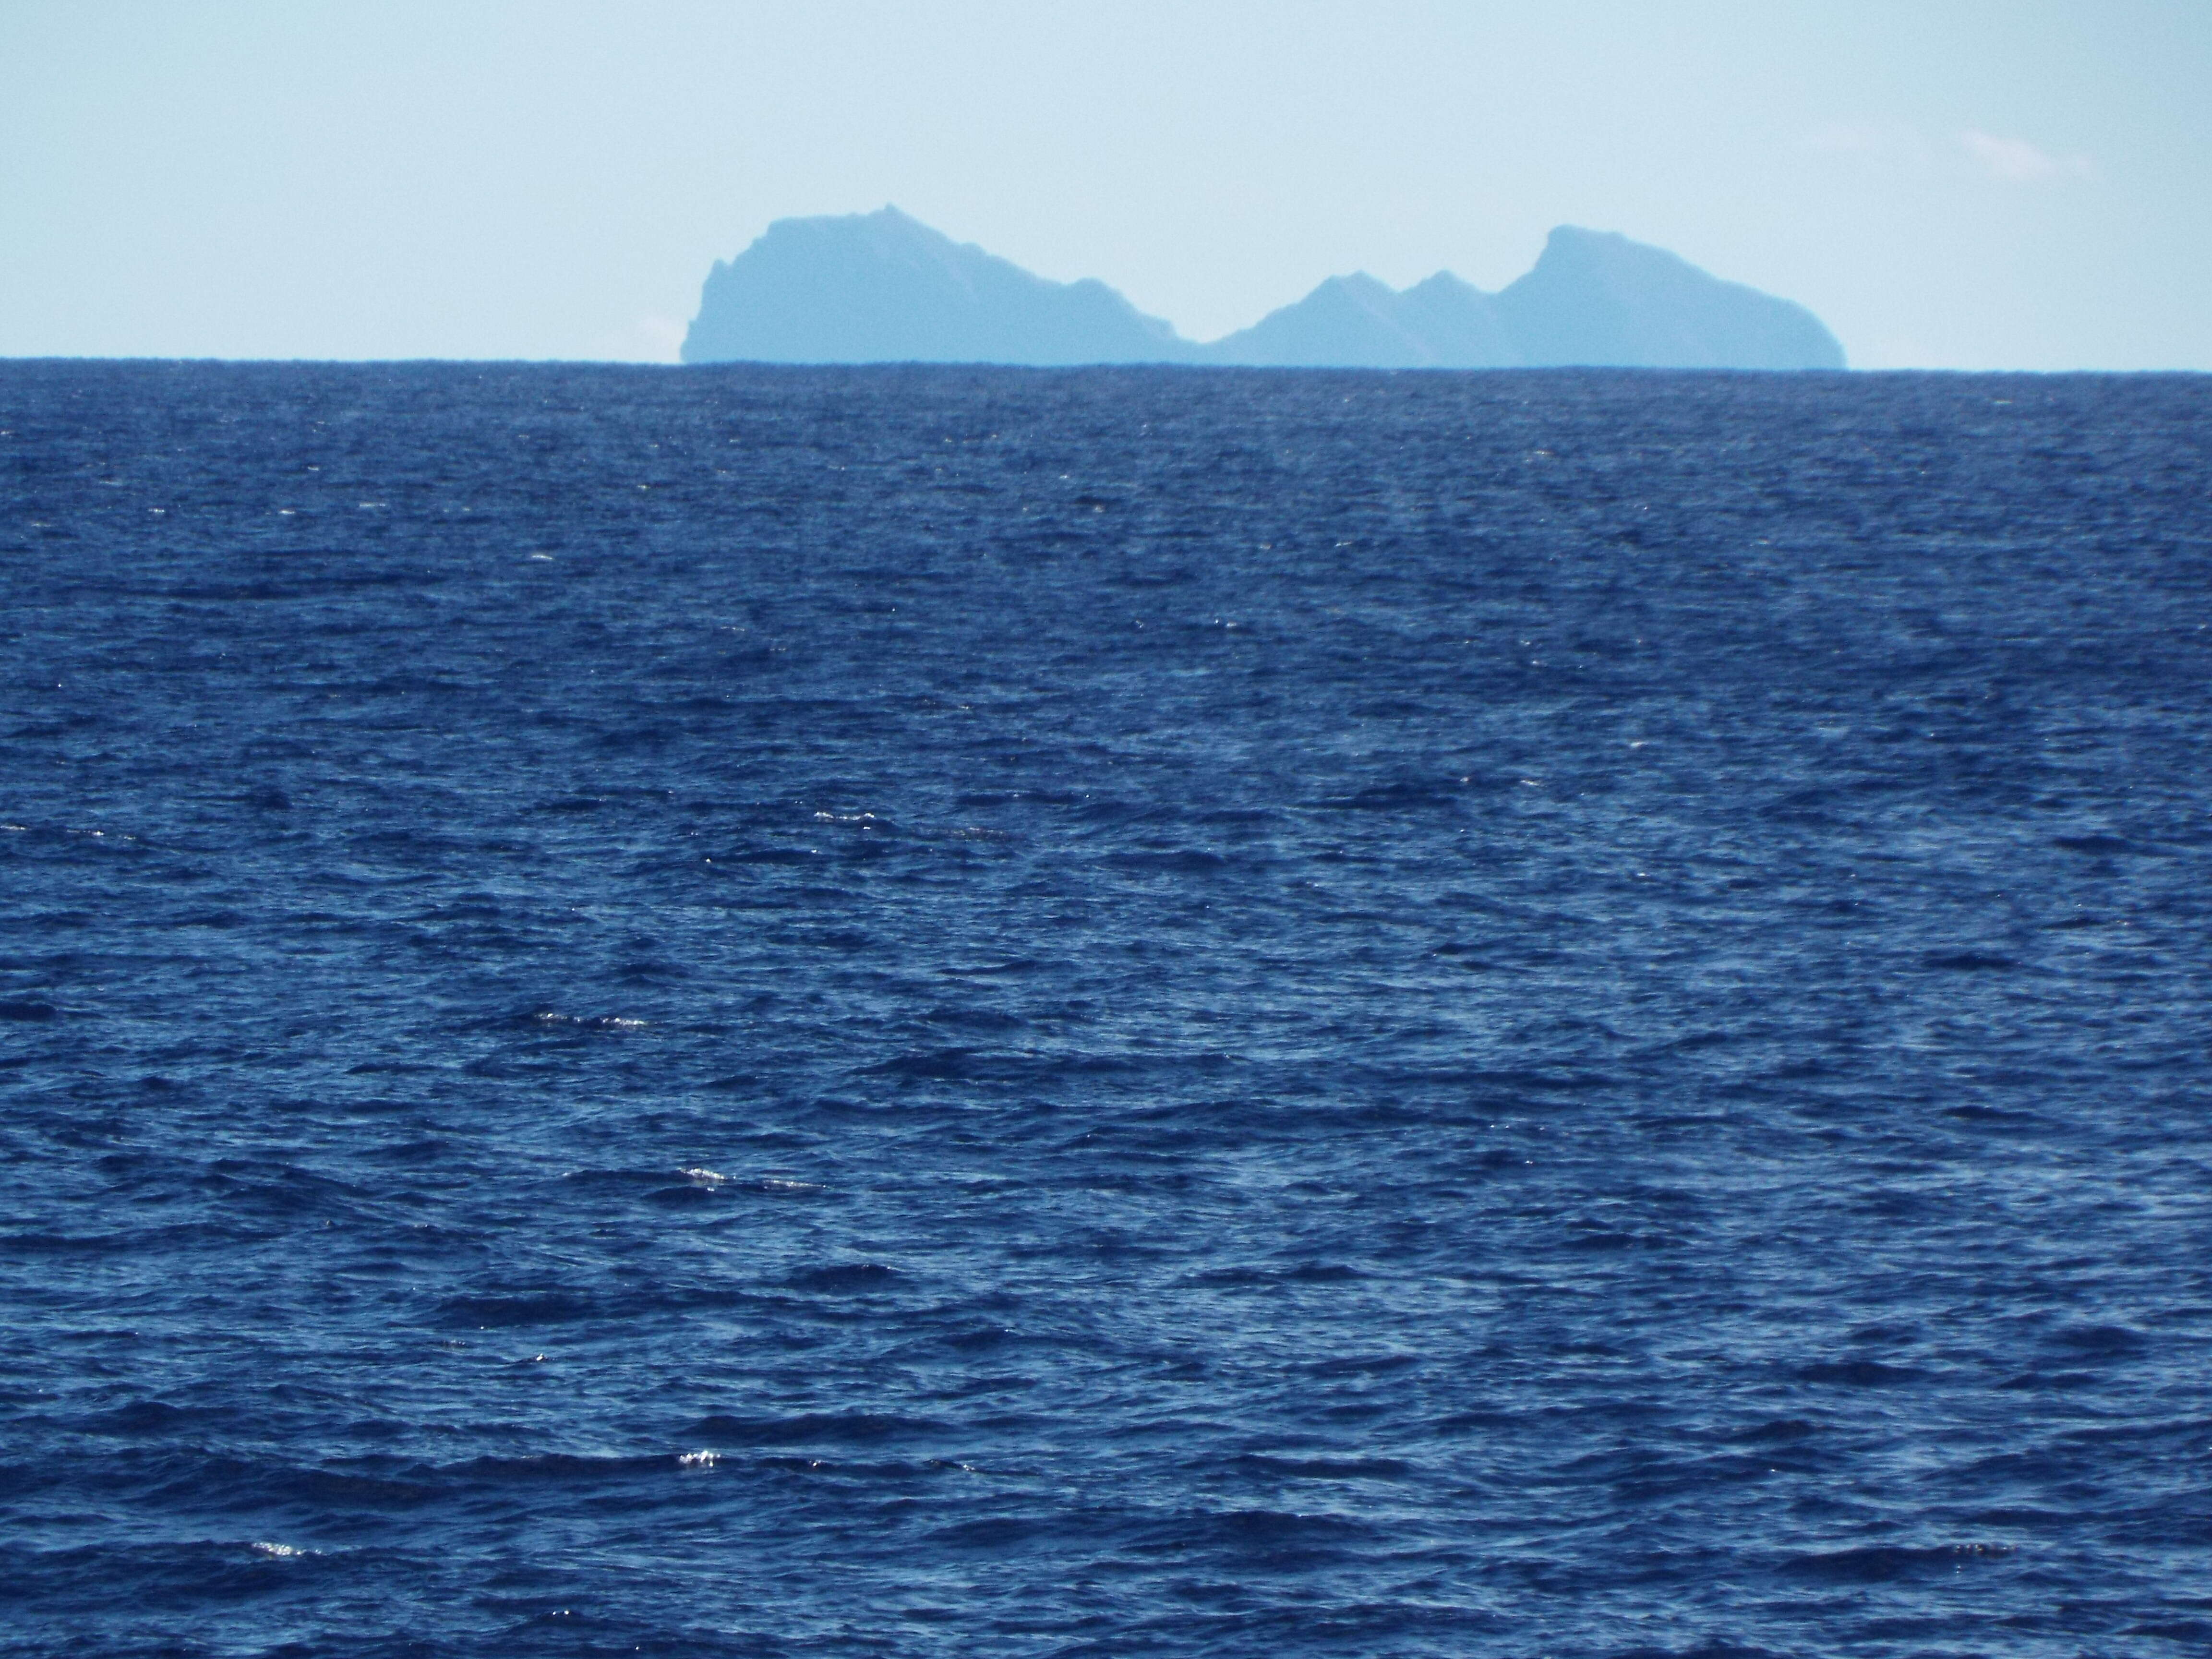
[1119,1012]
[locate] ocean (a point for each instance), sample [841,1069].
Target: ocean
[906,1012]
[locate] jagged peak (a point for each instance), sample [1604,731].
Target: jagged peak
[1572,246]
[1443,283]
[1362,286]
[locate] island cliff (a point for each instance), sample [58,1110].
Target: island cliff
[883,287]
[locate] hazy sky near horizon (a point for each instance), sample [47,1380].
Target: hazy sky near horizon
[2014,184]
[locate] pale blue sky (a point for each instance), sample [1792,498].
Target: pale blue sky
[1978,185]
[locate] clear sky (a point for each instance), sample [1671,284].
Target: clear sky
[2012,184]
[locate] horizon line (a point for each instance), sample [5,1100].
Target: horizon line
[1848,369]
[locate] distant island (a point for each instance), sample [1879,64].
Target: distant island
[870,287]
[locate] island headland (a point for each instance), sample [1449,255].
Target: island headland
[883,287]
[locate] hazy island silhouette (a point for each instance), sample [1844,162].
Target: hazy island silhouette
[884,287]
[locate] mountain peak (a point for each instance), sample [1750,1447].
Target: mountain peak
[1596,298]
[1360,286]
[884,287]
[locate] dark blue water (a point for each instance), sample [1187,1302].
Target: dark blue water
[1115,1013]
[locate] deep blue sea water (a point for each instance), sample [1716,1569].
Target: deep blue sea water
[1113,1012]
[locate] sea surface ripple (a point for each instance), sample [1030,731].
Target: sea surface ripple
[927,1012]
